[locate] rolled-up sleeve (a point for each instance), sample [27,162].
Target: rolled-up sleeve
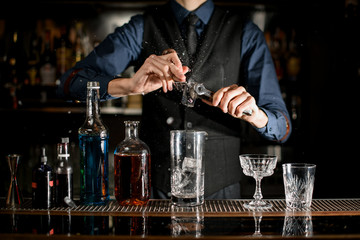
[262,84]
[107,61]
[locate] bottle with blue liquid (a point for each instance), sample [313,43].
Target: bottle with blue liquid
[93,143]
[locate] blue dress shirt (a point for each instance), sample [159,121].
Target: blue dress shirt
[123,47]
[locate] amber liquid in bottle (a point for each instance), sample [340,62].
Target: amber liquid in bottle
[132,168]
[132,181]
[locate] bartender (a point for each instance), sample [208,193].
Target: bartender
[180,40]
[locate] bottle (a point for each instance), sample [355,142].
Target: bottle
[63,53]
[47,63]
[17,57]
[93,141]
[78,51]
[132,168]
[63,173]
[78,47]
[16,67]
[33,61]
[42,184]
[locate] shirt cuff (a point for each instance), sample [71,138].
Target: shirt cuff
[87,75]
[276,128]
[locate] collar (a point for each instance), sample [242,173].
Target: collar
[203,12]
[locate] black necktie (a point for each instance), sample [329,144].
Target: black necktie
[191,36]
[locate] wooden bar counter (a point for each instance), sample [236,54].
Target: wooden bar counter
[215,219]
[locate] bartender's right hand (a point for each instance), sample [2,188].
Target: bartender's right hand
[156,72]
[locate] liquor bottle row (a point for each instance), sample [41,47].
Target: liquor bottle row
[131,159]
[38,58]
[54,186]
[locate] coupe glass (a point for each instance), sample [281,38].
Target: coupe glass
[258,166]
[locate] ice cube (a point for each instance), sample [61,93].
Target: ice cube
[191,164]
[181,179]
[185,181]
[176,176]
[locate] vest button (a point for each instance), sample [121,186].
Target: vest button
[170,120]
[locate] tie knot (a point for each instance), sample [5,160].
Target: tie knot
[191,19]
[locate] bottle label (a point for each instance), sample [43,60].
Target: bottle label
[34,185]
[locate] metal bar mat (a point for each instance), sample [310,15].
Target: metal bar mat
[209,207]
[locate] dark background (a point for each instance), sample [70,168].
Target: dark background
[325,130]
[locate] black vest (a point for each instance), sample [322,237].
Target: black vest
[217,66]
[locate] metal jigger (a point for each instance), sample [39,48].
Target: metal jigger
[14,197]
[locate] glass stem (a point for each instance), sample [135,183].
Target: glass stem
[258,196]
[257,225]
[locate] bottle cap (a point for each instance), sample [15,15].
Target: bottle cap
[62,148]
[43,155]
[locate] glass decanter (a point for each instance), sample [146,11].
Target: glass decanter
[132,168]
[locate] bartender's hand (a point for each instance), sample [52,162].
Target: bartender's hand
[156,72]
[234,100]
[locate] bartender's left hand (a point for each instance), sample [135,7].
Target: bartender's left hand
[234,100]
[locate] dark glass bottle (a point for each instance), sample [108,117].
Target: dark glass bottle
[16,66]
[47,63]
[43,184]
[93,141]
[63,173]
[33,61]
[132,168]
[17,57]
[63,52]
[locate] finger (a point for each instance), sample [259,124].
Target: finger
[167,85]
[149,83]
[162,69]
[218,95]
[164,85]
[168,68]
[174,58]
[177,73]
[162,66]
[185,69]
[167,51]
[182,76]
[149,68]
[237,101]
[246,105]
[228,96]
[170,85]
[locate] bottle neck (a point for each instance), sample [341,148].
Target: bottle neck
[63,151]
[131,129]
[92,103]
[43,158]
